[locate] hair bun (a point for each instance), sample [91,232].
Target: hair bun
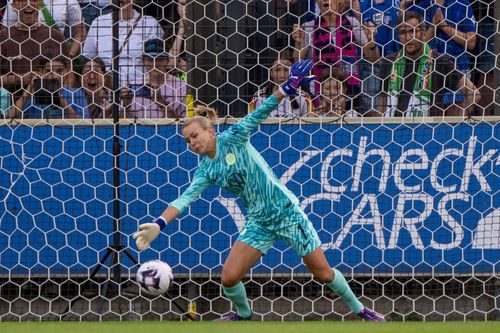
[205,112]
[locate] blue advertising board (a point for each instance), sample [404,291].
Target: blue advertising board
[385,199]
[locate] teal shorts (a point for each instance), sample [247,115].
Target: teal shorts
[294,228]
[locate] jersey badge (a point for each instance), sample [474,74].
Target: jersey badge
[230,159]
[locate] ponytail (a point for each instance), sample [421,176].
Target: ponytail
[203,115]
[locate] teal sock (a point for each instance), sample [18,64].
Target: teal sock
[238,296]
[340,287]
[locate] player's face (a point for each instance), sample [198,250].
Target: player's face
[201,141]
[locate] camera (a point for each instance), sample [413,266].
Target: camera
[139,90]
[46,92]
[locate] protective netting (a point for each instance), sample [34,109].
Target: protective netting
[408,208]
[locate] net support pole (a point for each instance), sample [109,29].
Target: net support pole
[202,64]
[496,109]
[115,69]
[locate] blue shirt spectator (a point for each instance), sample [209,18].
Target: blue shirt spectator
[453,21]
[384,15]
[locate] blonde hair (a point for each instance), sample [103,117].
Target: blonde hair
[203,115]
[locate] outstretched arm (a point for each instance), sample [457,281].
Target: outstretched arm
[149,231]
[241,130]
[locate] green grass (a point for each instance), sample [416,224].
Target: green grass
[249,327]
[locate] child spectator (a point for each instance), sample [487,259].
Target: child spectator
[289,107]
[333,96]
[335,41]
[163,95]
[95,86]
[383,14]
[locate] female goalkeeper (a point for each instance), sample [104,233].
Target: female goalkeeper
[232,163]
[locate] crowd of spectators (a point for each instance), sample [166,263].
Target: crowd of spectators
[372,58]
[56,57]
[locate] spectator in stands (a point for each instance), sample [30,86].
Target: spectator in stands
[452,28]
[163,95]
[178,61]
[484,77]
[47,97]
[289,107]
[95,86]
[64,15]
[383,16]
[94,8]
[24,45]
[180,67]
[134,29]
[178,46]
[379,17]
[420,81]
[335,41]
[333,96]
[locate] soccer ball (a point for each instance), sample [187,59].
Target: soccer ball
[155,277]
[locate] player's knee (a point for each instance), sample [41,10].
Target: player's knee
[324,275]
[229,278]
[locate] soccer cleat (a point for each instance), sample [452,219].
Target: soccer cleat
[233,317]
[370,315]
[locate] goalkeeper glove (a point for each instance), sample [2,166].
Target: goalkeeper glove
[297,77]
[148,233]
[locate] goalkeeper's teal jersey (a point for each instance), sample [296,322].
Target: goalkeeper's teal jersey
[238,168]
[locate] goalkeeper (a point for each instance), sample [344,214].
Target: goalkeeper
[231,162]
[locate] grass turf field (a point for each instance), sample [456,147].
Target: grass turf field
[249,327]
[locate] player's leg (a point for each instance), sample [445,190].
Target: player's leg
[305,240]
[253,242]
[334,279]
[239,261]
[319,267]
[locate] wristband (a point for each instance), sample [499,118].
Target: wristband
[161,222]
[285,93]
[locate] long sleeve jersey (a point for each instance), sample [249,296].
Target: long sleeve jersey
[238,168]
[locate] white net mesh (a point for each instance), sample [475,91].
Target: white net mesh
[407,209]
